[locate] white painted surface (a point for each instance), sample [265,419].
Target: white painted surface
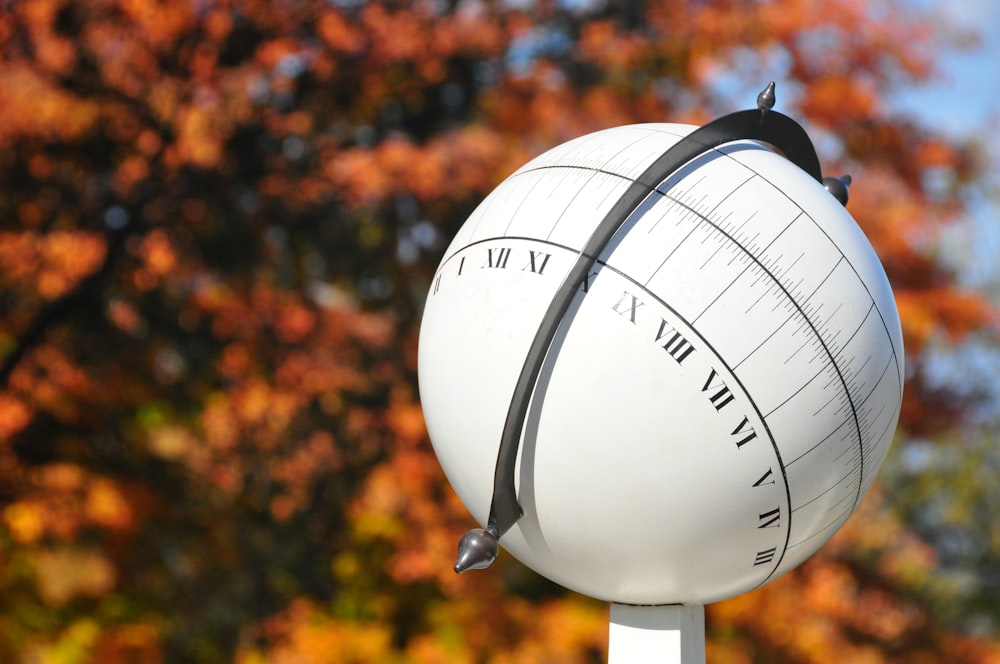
[672,634]
[719,396]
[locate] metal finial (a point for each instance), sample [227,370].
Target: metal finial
[477,549]
[766,99]
[839,187]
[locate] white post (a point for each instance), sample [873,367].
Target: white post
[669,634]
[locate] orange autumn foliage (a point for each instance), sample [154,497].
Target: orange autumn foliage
[219,222]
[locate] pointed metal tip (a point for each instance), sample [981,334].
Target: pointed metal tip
[766,99]
[838,187]
[477,549]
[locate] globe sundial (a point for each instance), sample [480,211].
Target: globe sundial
[662,365]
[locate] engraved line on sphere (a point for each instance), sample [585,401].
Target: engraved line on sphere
[727,155]
[776,281]
[520,238]
[524,198]
[742,388]
[793,304]
[769,273]
[821,442]
[819,227]
[823,493]
[567,168]
[603,265]
[698,216]
[840,517]
[592,169]
[711,348]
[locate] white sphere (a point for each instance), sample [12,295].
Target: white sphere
[720,395]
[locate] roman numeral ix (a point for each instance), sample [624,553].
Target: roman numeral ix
[630,309]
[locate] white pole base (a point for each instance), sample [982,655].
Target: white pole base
[669,634]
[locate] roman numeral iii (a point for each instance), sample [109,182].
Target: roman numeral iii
[765,556]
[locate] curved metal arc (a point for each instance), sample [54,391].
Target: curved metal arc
[478,548]
[770,127]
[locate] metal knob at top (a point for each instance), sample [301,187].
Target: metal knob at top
[766,99]
[838,187]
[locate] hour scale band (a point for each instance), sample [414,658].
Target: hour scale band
[478,548]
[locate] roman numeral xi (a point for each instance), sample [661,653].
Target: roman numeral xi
[536,261]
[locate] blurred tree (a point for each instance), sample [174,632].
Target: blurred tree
[219,220]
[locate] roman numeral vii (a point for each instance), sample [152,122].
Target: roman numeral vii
[720,394]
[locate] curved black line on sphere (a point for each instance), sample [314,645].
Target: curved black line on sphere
[759,124]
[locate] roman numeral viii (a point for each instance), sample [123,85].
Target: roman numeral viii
[676,346]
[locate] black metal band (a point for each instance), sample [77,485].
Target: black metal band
[759,124]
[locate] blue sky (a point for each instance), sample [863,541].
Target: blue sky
[964,101]
[965,97]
